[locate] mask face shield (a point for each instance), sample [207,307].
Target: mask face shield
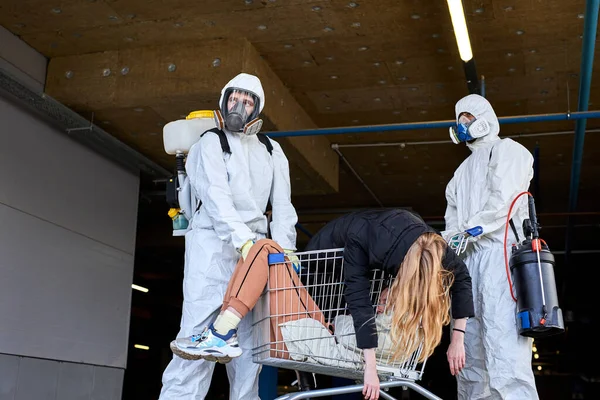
[465,120]
[239,107]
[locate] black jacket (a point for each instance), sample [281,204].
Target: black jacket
[379,239]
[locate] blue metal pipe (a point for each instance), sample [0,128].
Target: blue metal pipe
[304,230]
[587,63]
[590,29]
[433,124]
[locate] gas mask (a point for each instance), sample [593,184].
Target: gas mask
[467,130]
[240,110]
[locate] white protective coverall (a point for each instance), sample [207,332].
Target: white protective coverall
[234,191]
[498,359]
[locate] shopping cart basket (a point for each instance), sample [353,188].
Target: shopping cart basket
[302,322]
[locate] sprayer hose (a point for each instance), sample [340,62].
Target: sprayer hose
[510,285]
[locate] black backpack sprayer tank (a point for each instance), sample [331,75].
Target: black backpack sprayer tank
[532,266]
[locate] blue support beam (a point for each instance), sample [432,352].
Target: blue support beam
[433,124]
[585,81]
[304,230]
[267,383]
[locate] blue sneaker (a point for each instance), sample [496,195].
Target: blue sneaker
[208,345]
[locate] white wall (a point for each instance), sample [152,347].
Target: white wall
[67,239]
[68,221]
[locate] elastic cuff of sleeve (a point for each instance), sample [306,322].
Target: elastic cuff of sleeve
[366,345]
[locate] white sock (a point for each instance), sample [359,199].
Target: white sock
[226,322]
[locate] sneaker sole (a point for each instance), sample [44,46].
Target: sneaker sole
[224,359]
[181,354]
[221,360]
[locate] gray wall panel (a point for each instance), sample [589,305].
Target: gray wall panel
[9,370]
[68,222]
[75,382]
[37,379]
[108,384]
[24,378]
[73,290]
[21,61]
[56,179]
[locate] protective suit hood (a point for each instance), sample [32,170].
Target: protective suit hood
[247,82]
[479,107]
[236,117]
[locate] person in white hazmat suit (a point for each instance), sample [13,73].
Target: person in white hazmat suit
[234,190]
[498,359]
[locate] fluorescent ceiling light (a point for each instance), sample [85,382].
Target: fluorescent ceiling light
[141,347]
[460,29]
[140,288]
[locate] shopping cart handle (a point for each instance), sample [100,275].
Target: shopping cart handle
[276,258]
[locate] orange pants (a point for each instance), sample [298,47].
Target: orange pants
[288,298]
[250,277]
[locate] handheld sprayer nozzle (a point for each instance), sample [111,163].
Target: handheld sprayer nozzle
[533,218]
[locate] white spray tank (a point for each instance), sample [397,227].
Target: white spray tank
[178,138]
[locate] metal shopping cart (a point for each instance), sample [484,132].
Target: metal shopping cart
[302,322]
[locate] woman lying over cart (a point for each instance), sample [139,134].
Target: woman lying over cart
[429,278]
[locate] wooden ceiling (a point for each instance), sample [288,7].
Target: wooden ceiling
[344,63]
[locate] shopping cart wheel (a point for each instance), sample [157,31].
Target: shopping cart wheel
[306,381]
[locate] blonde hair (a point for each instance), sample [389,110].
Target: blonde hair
[419,298]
